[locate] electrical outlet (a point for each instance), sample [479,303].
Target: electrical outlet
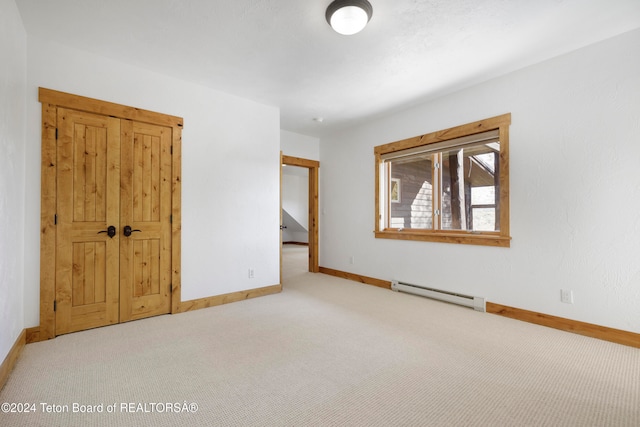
[251,273]
[566,296]
[351,261]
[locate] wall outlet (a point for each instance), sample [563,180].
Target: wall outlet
[566,296]
[251,273]
[351,260]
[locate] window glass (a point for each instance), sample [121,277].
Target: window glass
[413,181]
[463,172]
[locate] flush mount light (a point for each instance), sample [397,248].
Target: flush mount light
[349,16]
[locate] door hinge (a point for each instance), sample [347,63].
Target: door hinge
[171,150]
[55,219]
[170,287]
[55,305]
[56,133]
[171,219]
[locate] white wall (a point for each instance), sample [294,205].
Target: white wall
[295,200]
[575,190]
[230,181]
[13,72]
[297,145]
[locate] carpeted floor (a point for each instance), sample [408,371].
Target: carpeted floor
[326,352]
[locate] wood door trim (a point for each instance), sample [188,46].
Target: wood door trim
[313,166]
[105,108]
[51,100]
[47,222]
[176,219]
[280,220]
[298,161]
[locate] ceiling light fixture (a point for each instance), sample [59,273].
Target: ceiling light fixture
[349,17]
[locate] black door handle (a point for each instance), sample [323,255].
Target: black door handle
[127,230]
[111,231]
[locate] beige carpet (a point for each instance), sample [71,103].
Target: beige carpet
[328,352]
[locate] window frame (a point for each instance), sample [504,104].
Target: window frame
[501,238]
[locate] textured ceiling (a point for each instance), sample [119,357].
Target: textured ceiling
[283,53]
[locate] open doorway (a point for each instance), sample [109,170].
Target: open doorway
[299,211]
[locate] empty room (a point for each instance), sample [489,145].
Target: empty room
[320,213]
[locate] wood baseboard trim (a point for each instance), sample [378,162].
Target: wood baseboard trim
[356,278]
[198,304]
[617,336]
[33,334]
[11,359]
[295,243]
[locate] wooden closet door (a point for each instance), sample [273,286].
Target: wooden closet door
[88,202]
[103,167]
[145,255]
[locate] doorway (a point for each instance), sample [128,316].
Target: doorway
[110,245]
[312,169]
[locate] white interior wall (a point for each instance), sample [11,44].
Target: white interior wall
[295,200]
[575,190]
[13,72]
[297,145]
[230,164]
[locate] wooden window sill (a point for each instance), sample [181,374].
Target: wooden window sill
[447,237]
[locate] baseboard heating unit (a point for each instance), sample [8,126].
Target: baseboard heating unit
[477,303]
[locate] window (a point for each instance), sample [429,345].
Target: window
[447,186]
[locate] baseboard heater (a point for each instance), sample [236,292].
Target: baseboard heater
[477,303]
